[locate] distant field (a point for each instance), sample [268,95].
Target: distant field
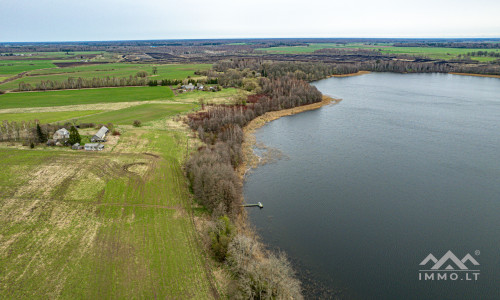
[437,53]
[299,49]
[173,71]
[431,52]
[47,117]
[54,55]
[13,67]
[143,113]
[85,96]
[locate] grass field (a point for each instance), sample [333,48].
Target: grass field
[85,96]
[113,224]
[47,117]
[196,96]
[431,52]
[172,71]
[299,49]
[14,67]
[143,113]
[57,55]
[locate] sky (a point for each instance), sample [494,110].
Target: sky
[95,20]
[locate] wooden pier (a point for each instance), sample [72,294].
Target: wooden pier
[259,205]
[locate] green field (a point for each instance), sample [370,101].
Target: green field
[172,71]
[14,67]
[299,49]
[47,117]
[57,55]
[436,53]
[113,224]
[431,52]
[143,113]
[85,96]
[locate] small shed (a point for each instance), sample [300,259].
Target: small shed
[61,134]
[100,135]
[77,146]
[94,147]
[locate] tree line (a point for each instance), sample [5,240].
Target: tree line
[81,83]
[484,53]
[211,172]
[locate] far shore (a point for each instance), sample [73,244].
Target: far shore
[250,160]
[477,75]
[351,74]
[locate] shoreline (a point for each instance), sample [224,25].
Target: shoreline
[476,75]
[250,160]
[350,74]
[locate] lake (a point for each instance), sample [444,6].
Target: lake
[406,165]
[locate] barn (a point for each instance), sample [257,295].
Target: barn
[100,135]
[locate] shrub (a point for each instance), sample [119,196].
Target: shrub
[42,137]
[74,136]
[258,276]
[220,236]
[116,132]
[86,125]
[141,74]
[137,123]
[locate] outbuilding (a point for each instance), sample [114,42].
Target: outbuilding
[94,147]
[100,135]
[77,146]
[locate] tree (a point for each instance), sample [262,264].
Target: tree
[141,74]
[74,136]
[155,70]
[42,137]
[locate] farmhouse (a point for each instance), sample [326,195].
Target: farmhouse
[61,134]
[100,135]
[94,147]
[189,87]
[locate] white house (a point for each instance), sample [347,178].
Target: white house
[61,134]
[189,87]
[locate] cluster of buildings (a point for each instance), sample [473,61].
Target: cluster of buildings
[200,87]
[61,136]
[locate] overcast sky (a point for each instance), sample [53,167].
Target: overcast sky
[70,20]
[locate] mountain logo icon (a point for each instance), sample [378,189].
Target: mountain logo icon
[449,261]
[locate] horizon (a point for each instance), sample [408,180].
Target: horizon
[479,38]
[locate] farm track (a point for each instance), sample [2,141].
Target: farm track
[20,75]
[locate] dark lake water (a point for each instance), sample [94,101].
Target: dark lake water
[406,165]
